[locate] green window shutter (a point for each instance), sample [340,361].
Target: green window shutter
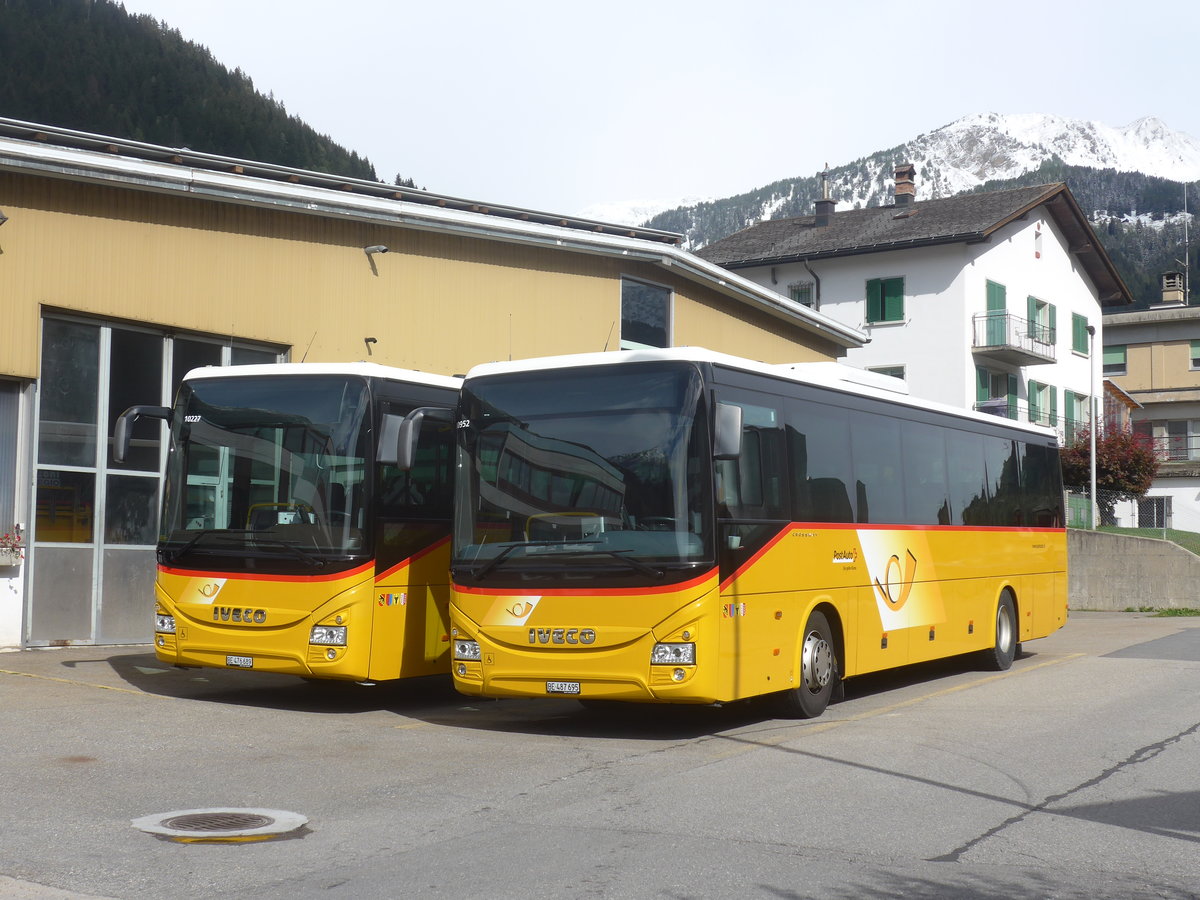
[893,299]
[874,300]
[983,385]
[997,297]
[1053,407]
[1079,334]
[1053,320]
[1034,395]
[1012,396]
[1031,314]
[1196,354]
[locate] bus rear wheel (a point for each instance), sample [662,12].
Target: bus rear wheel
[1002,653]
[818,672]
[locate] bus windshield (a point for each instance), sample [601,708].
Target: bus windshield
[594,475]
[268,474]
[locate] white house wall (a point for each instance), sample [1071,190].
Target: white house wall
[928,343]
[1055,277]
[1185,503]
[945,286]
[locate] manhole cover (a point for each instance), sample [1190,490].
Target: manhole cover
[214,825]
[218,821]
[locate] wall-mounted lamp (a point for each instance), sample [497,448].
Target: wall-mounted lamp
[375,248]
[3,218]
[369,341]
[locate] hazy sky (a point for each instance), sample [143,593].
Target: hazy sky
[562,105]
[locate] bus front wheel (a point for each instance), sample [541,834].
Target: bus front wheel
[1002,653]
[818,671]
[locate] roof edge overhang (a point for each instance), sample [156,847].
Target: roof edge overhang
[235,185]
[967,237]
[1111,289]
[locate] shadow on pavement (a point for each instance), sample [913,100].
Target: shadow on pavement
[433,700]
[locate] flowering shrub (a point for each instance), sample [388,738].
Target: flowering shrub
[12,541]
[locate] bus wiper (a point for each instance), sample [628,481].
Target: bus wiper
[191,542]
[632,563]
[504,554]
[496,560]
[295,549]
[636,564]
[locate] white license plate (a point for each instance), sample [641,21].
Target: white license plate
[562,687]
[241,662]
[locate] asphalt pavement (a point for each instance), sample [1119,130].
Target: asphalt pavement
[1074,774]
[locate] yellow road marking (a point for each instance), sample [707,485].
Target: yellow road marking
[103,687]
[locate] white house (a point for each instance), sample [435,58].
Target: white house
[983,300]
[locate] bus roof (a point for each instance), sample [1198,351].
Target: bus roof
[364,369]
[833,375]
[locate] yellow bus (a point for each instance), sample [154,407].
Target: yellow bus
[292,539]
[683,526]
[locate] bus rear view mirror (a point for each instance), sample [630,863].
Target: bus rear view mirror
[399,435]
[124,427]
[727,431]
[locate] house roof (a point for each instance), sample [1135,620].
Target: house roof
[966,218]
[1121,395]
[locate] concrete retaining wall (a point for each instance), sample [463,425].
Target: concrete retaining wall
[1115,572]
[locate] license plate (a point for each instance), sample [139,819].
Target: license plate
[562,687]
[241,662]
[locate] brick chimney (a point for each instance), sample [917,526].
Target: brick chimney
[824,207]
[906,188]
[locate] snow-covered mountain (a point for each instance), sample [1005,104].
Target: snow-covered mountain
[979,148]
[952,159]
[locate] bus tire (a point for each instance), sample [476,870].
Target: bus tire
[1002,653]
[818,671]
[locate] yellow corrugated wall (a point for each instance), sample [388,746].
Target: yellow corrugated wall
[436,302]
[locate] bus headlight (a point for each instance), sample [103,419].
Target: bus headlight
[673,655]
[164,624]
[334,635]
[466,650]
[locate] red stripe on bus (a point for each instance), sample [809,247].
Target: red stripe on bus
[380,576]
[780,535]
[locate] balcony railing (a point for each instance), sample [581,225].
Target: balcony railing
[1012,340]
[1176,448]
[1068,429]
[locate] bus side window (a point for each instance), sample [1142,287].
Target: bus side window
[424,491]
[926,492]
[875,451]
[753,485]
[818,443]
[1043,494]
[1006,502]
[968,479]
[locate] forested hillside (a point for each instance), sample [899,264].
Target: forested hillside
[90,66]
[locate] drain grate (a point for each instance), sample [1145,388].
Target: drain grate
[217,825]
[217,821]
